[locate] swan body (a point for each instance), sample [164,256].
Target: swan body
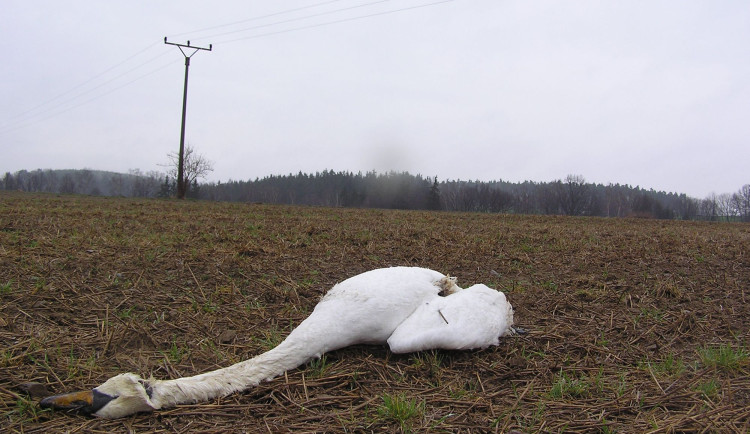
[400,306]
[474,317]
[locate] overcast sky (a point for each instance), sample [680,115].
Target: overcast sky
[647,93]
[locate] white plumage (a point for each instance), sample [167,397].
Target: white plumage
[474,317]
[401,306]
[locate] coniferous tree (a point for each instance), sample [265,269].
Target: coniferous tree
[165,190]
[194,191]
[9,182]
[433,198]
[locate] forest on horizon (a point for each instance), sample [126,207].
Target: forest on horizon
[402,190]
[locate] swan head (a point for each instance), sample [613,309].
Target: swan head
[120,396]
[502,317]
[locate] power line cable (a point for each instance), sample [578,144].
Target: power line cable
[85,82]
[99,86]
[10,127]
[82,103]
[343,20]
[35,111]
[306,17]
[256,18]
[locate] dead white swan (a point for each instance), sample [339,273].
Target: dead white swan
[411,309]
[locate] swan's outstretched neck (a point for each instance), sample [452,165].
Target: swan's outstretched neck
[240,376]
[126,394]
[365,309]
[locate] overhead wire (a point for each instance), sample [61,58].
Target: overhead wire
[84,83]
[36,114]
[52,113]
[83,93]
[306,17]
[40,112]
[256,18]
[343,20]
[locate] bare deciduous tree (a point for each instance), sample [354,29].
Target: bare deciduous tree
[727,210]
[195,166]
[709,208]
[574,195]
[741,201]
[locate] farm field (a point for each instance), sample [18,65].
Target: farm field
[634,325]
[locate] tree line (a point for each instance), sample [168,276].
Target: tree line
[402,190]
[135,183]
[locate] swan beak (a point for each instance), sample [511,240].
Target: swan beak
[86,402]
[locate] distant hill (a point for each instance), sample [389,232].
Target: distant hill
[402,190]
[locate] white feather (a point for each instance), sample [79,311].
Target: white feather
[471,318]
[398,305]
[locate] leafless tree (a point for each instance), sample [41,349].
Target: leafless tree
[68,185]
[117,184]
[574,195]
[741,201]
[726,206]
[709,208]
[84,180]
[195,166]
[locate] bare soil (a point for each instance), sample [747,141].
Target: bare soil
[634,325]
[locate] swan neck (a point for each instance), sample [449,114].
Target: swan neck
[221,382]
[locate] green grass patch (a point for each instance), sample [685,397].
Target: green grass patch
[669,366]
[568,386]
[400,409]
[126,313]
[174,353]
[723,356]
[318,367]
[709,389]
[26,411]
[271,338]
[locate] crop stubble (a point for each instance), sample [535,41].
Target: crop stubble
[621,315]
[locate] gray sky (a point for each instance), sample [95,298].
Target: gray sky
[648,93]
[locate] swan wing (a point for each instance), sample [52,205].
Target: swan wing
[475,317]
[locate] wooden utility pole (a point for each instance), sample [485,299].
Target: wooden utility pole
[180,162]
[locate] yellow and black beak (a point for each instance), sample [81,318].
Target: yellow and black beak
[86,402]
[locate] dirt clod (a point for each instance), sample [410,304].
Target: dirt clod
[34,390]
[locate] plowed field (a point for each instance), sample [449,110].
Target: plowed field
[634,325]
